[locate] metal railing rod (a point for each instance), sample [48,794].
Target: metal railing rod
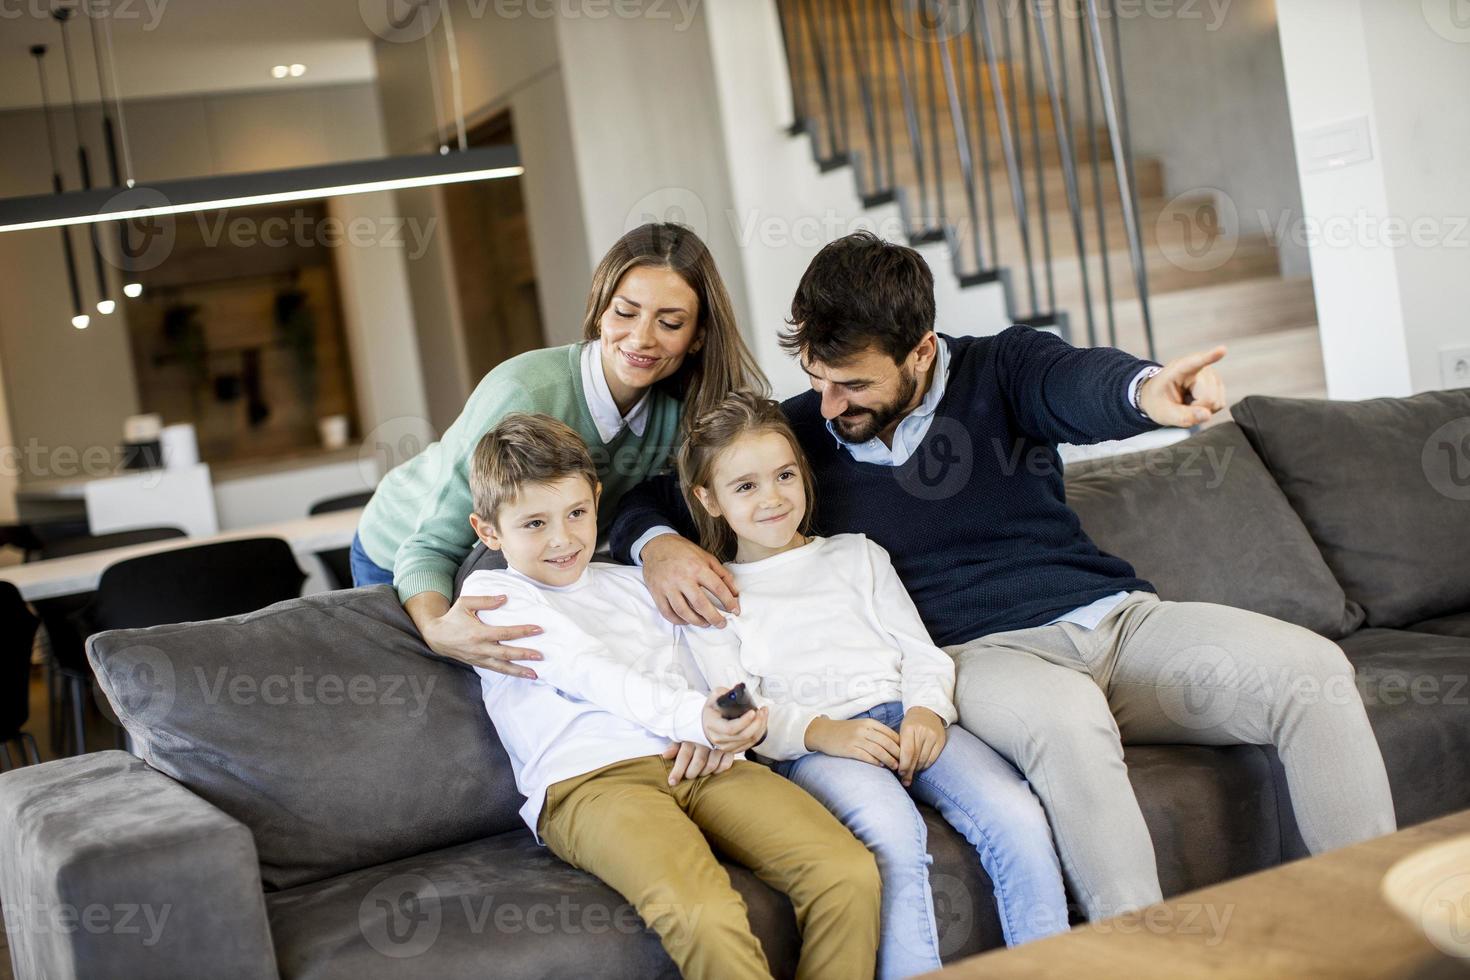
[1122,166]
[962,145]
[1037,160]
[824,82]
[910,112]
[936,151]
[1008,146]
[1099,209]
[984,140]
[870,159]
[1055,74]
[1143,297]
[795,64]
[839,85]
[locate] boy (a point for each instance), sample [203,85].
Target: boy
[586,737]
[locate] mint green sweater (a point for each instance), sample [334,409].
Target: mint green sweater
[418,524]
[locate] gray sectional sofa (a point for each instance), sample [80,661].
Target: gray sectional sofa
[315,795]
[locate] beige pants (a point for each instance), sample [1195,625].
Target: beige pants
[647,840]
[1059,702]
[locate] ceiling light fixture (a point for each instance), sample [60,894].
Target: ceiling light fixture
[267,187]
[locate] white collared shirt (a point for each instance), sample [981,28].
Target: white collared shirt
[604,409]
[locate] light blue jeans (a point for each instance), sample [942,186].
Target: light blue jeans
[979,794]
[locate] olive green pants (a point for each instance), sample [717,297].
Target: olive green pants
[652,843]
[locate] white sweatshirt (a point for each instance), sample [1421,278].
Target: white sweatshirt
[614,684]
[826,629]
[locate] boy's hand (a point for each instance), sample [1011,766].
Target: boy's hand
[920,740]
[692,760]
[863,739]
[734,734]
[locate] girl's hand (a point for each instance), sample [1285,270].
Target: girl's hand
[733,734]
[863,739]
[920,740]
[692,760]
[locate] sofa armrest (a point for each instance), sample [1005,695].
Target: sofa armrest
[108,868]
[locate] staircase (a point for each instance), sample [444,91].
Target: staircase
[950,109]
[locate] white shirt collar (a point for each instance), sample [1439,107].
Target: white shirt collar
[600,402]
[911,428]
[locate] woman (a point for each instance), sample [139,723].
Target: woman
[660,346]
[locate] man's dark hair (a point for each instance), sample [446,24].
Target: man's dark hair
[861,292]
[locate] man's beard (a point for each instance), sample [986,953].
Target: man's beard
[859,425]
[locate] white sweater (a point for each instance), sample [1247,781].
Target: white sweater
[826,629]
[614,684]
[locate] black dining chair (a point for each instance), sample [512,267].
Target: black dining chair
[338,561]
[207,581]
[17,635]
[67,675]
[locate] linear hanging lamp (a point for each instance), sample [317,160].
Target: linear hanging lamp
[166,197]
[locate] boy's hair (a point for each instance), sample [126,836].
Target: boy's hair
[861,292]
[712,433]
[522,449]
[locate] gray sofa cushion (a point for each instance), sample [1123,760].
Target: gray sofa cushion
[1416,688]
[1384,488]
[1203,521]
[1456,625]
[323,724]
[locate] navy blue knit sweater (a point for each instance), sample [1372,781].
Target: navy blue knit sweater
[976,520]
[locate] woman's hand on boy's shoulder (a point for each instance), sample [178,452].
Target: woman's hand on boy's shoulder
[681,576]
[457,632]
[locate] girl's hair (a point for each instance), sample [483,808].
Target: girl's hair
[723,364]
[740,413]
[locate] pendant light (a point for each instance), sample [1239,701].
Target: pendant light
[105,303]
[114,134]
[79,319]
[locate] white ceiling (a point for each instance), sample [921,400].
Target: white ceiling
[172,47]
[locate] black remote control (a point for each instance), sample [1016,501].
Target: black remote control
[735,702]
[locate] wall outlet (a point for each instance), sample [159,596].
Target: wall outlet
[1454,367]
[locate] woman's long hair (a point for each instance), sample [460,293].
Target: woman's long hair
[739,413]
[723,364]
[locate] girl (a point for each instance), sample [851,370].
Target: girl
[660,345]
[860,698]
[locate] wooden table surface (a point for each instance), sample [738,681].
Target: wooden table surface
[1319,917]
[81,573]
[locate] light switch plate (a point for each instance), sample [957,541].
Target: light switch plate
[1454,367]
[1336,145]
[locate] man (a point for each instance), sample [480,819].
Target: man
[943,451]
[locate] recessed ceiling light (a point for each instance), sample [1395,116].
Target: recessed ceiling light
[298,70]
[280,71]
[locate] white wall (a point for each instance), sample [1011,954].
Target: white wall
[378,316]
[1385,309]
[646,135]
